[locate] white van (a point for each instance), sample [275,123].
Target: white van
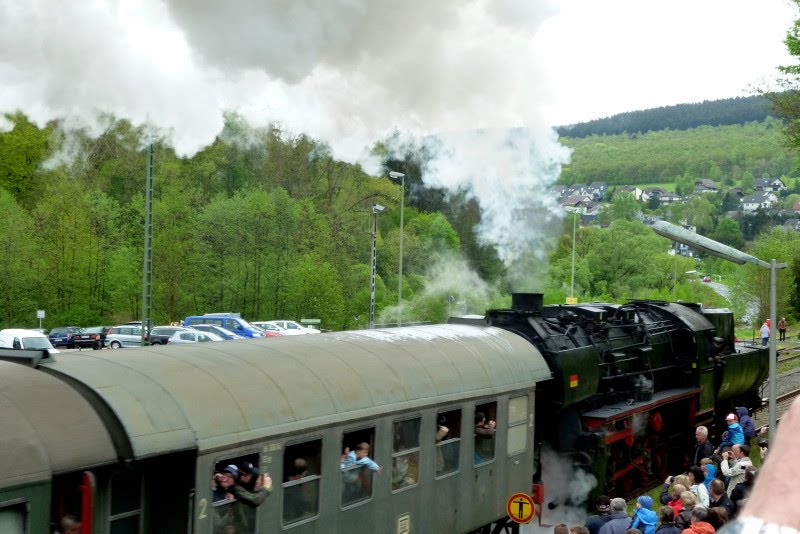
[19,338]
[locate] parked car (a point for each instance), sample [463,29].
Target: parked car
[20,338]
[62,336]
[160,335]
[93,336]
[269,329]
[706,279]
[292,326]
[224,333]
[124,336]
[235,324]
[192,336]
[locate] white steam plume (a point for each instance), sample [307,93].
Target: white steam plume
[566,487]
[343,71]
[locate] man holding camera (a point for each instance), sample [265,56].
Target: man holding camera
[741,461]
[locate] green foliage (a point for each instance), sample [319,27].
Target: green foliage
[625,206]
[22,150]
[260,222]
[681,156]
[730,233]
[18,263]
[751,283]
[678,117]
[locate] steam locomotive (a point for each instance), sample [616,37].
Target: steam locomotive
[131,440]
[630,382]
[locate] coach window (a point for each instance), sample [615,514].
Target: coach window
[357,465]
[301,480]
[13,519]
[238,514]
[126,503]
[448,442]
[517,425]
[485,428]
[405,453]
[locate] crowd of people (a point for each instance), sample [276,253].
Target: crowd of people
[712,491]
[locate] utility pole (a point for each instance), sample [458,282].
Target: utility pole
[147,263]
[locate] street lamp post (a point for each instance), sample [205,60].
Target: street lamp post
[681,235]
[376,209]
[572,278]
[691,283]
[395,174]
[675,280]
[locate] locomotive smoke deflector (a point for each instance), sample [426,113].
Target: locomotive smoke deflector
[527,302]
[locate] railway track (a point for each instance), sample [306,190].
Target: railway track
[782,403]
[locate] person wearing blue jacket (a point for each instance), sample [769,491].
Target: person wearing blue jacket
[644,518]
[734,435]
[746,422]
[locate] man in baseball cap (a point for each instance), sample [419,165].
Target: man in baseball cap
[595,522]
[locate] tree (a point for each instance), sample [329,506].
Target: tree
[314,291]
[22,152]
[18,255]
[700,213]
[729,233]
[625,206]
[748,182]
[753,282]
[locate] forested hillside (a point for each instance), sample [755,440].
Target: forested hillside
[726,154]
[269,225]
[260,222]
[678,117]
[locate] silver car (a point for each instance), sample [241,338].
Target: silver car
[192,336]
[124,336]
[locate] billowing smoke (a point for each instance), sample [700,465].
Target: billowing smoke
[343,71]
[566,488]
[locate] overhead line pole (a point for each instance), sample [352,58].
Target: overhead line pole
[147,264]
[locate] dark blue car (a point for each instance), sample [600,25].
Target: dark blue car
[63,336]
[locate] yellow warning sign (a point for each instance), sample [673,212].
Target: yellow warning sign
[572,300]
[520,508]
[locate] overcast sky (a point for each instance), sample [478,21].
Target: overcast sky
[602,58]
[480,81]
[348,71]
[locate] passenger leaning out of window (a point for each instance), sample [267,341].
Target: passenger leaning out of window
[484,432]
[360,456]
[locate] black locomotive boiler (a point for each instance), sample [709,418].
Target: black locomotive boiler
[630,382]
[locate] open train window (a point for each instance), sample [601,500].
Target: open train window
[405,453]
[14,519]
[301,479]
[357,466]
[73,500]
[484,432]
[448,442]
[232,513]
[126,503]
[517,425]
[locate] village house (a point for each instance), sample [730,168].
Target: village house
[774,185]
[633,190]
[706,186]
[759,199]
[579,204]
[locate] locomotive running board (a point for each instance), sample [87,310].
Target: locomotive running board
[621,410]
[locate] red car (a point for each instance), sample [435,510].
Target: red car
[706,279]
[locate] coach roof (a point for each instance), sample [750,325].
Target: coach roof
[48,427]
[210,395]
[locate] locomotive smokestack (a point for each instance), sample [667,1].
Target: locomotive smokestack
[527,302]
